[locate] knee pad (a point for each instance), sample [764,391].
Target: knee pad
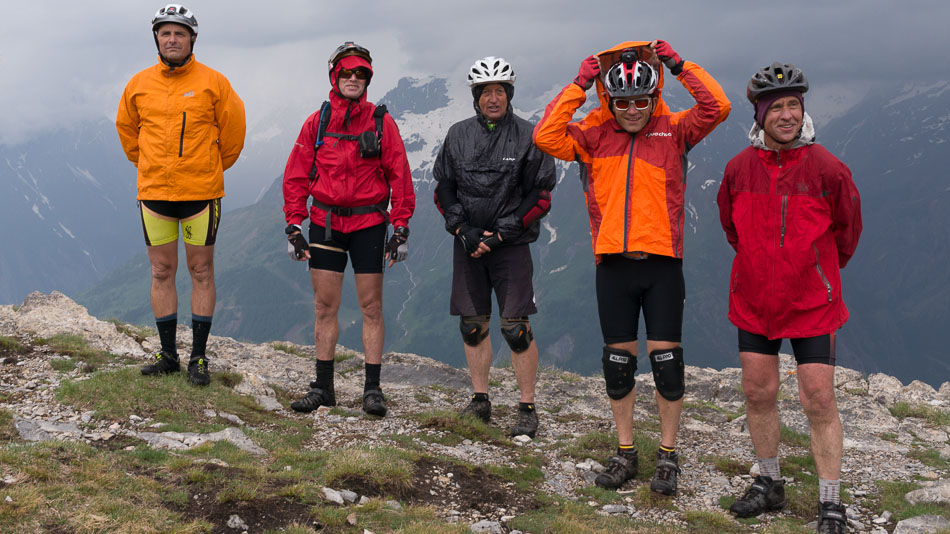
[668,373]
[471,328]
[516,333]
[619,368]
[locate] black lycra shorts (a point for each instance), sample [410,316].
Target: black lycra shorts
[817,349]
[626,285]
[365,248]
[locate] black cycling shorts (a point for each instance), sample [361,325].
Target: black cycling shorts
[626,285]
[817,349]
[365,248]
[507,270]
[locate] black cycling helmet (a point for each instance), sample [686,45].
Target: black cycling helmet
[776,77]
[348,48]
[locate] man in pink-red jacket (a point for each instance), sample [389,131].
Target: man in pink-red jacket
[793,215]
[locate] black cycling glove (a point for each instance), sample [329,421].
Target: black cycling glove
[297,245]
[470,237]
[397,247]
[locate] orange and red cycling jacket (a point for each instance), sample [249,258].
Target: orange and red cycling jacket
[634,184]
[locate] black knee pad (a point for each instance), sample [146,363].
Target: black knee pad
[619,368]
[471,325]
[516,333]
[669,373]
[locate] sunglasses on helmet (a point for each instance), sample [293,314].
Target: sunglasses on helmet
[359,72]
[641,102]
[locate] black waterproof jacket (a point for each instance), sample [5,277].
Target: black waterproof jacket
[496,180]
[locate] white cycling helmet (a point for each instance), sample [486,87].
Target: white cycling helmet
[491,69]
[625,80]
[178,14]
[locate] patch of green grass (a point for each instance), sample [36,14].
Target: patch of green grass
[375,516]
[169,399]
[441,389]
[343,356]
[592,444]
[892,498]
[712,522]
[387,468]
[7,430]
[888,436]
[494,383]
[794,438]
[579,518]
[784,525]
[12,344]
[931,414]
[77,348]
[464,427]
[63,365]
[727,465]
[930,457]
[422,398]
[526,478]
[289,349]
[343,412]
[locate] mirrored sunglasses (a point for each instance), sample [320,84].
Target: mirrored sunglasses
[642,102]
[360,73]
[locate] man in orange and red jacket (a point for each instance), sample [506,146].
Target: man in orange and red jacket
[793,215]
[182,126]
[353,176]
[632,152]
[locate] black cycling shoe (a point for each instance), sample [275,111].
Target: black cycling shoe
[620,468]
[478,409]
[198,373]
[832,518]
[527,423]
[763,495]
[314,399]
[163,364]
[667,471]
[374,403]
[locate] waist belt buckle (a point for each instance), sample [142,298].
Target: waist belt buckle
[343,212]
[637,255]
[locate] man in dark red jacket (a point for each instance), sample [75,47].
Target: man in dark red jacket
[793,215]
[354,166]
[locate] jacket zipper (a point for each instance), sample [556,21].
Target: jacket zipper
[181,140]
[822,273]
[626,200]
[784,211]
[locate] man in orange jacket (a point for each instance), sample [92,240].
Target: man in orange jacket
[632,152]
[182,126]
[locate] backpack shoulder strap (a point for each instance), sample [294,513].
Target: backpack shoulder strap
[378,114]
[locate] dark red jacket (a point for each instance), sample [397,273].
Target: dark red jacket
[343,177]
[794,219]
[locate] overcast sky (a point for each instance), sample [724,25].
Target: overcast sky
[64,62]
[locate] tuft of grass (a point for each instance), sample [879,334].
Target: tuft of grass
[716,522]
[464,427]
[591,443]
[930,457]
[289,349]
[931,414]
[12,344]
[343,356]
[727,465]
[422,398]
[77,348]
[794,438]
[892,498]
[138,333]
[7,431]
[387,468]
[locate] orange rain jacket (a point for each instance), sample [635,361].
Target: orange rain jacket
[633,184]
[182,128]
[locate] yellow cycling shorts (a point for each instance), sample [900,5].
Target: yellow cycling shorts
[199,221]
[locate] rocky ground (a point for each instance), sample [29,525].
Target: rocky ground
[877,443]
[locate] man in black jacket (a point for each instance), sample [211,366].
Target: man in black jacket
[493,188]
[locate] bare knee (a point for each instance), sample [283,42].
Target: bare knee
[202,273]
[163,271]
[372,310]
[819,403]
[759,395]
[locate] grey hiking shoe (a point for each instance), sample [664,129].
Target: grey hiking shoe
[832,518]
[198,373]
[527,423]
[620,468]
[374,403]
[478,409]
[763,495]
[314,399]
[163,364]
[667,471]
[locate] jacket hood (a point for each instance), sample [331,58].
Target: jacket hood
[610,56]
[805,137]
[349,62]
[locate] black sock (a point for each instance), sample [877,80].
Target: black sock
[324,374]
[480,397]
[372,376]
[166,333]
[200,328]
[526,406]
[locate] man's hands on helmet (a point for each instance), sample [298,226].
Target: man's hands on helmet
[668,56]
[297,246]
[397,248]
[590,69]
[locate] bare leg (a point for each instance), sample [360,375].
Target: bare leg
[369,293]
[164,260]
[526,370]
[201,267]
[669,410]
[760,385]
[623,408]
[327,288]
[479,361]
[816,383]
